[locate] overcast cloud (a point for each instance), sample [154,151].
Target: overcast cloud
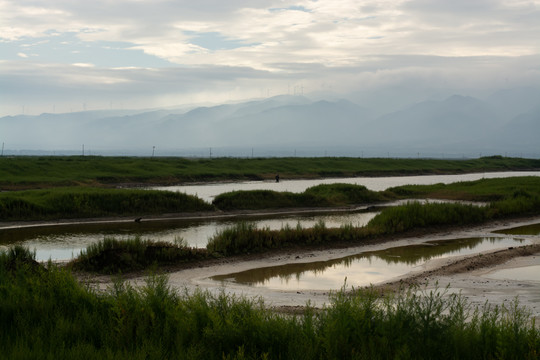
[61,56]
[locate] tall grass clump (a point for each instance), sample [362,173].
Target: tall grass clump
[345,194]
[94,202]
[247,238]
[519,204]
[242,238]
[111,255]
[415,215]
[325,195]
[421,324]
[255,199]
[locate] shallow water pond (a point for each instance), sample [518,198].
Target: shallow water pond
[66,241]
[533,229]
[365,268]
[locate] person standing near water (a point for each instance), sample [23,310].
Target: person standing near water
[277,177]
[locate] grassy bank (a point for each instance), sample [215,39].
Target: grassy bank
[332,195]
[74,202]
[32,172]
[480,190]
[46,313]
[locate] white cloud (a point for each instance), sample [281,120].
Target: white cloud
[347,44]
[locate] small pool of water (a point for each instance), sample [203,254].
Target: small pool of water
[533,229]
[365,268]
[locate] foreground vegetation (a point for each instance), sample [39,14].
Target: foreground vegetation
[47,171]
[46,313]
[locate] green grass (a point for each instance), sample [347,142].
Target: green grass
[74,202]
[39,171]
[478,190]
[332,195]
[112,256]
[47,314]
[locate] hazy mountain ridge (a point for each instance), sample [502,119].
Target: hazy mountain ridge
[506,121]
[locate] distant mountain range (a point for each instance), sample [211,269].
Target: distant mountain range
[505,123]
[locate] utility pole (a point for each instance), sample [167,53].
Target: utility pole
[82,149]
[2,149]
[210,153]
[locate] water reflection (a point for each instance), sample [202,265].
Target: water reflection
[66,241]
[362,269]
[522,230]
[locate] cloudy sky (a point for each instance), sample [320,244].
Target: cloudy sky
[71,55]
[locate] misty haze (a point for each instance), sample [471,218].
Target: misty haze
[506,123]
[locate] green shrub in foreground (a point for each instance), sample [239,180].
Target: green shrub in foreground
[48,314]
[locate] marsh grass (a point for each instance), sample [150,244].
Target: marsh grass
[94,202]
[49,314]
[44,171]
[325,195]
[413,215]
[112,256]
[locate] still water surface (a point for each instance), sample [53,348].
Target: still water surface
[365,268]
[533,229]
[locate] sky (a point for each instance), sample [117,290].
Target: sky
[61,56]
